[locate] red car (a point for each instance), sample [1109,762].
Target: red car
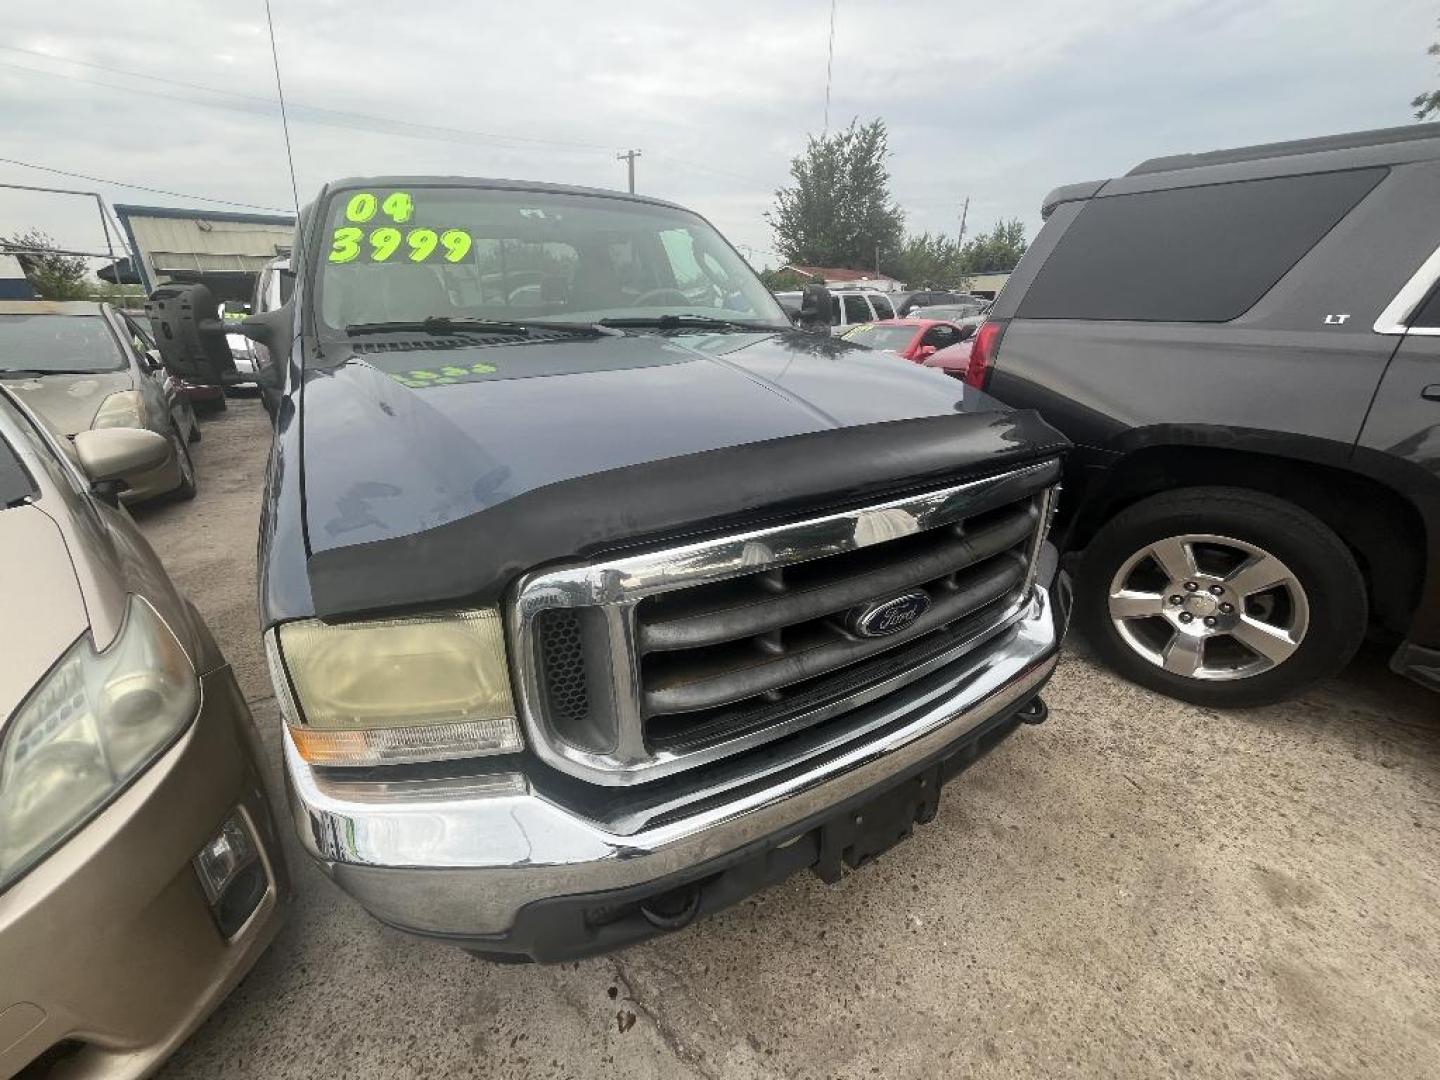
[932,342]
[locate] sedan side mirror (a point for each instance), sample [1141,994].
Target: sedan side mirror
[924,352]
[109,455]
[815,309]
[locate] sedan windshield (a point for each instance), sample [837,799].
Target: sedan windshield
[886,338]
[57,344]
[395,256]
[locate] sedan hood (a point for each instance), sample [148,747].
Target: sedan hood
[44,611]
[402,437]
[69,402]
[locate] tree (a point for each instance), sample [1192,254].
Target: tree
[1427,104]
[929,262]
[838,212]
[783,280]
[939,262]
[995,252]
[53,276]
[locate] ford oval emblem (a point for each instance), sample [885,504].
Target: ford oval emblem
[889,616]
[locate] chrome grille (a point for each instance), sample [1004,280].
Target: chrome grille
[686,654]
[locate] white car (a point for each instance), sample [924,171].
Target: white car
[851,306]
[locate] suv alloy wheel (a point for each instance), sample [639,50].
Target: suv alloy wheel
[1221,596]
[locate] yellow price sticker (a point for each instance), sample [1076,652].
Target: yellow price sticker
[452,244]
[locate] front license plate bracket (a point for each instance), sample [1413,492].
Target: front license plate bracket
[859,835]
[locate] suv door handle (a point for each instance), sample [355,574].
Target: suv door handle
[1431,392]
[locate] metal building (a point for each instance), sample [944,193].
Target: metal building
[221,249]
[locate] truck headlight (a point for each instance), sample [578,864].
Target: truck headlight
[91,725]
[125,408]
[424,688]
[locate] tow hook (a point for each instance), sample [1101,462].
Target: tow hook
[1035,712]
[673,910]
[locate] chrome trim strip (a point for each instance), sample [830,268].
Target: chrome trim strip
[1397,313]
[623,582]
[465,866]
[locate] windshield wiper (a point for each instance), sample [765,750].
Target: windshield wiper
[442,325]
[31,373]
[676,322]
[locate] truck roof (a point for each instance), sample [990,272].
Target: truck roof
[496,184]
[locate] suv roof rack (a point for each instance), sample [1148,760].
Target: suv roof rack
[1347,141]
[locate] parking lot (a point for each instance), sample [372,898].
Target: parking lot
[1139,887]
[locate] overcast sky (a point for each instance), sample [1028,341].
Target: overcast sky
[1000,102]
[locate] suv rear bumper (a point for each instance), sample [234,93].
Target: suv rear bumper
[492,865]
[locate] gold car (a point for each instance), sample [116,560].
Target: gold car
[84,366]
[140,872]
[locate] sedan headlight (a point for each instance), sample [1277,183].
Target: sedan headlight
[126,408]
[425,688]
[91,725]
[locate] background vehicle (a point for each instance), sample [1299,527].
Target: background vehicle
[953,360]
[911,339]
[789,302]
[140,870]
[1245,345]
[971,313]
[851,306]
[908,303]
[79,364]
[746,636]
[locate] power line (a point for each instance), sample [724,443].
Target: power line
[284,120]
[139,187]
[439,131]
[336,117]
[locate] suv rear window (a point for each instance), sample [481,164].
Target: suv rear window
[1197,254]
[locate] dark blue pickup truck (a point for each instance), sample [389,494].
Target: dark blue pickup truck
[597,594]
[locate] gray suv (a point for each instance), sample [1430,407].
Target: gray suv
[1245,347]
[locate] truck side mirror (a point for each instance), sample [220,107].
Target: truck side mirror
[272,331]
[815,309]
[190,334]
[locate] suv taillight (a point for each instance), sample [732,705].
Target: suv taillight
[982,352]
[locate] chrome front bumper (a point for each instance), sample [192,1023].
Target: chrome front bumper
[461,858]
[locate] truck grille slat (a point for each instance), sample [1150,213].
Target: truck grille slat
[705,678]
[693,622]
[659,661]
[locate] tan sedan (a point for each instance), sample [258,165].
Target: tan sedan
[84,366]
[140,872]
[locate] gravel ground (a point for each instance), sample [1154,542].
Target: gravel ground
[1137,888]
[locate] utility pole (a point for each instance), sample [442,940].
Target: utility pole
[629,157]
[964,213]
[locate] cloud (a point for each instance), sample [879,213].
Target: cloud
[999,103]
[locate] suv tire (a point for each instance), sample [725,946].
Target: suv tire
[1320,596]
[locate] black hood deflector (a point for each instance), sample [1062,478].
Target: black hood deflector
[474,559]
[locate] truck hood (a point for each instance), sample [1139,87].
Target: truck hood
[401,438]
[442,483]
[70,402]
[44,610]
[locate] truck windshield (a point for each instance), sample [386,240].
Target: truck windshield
[57,344]
[391,255]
